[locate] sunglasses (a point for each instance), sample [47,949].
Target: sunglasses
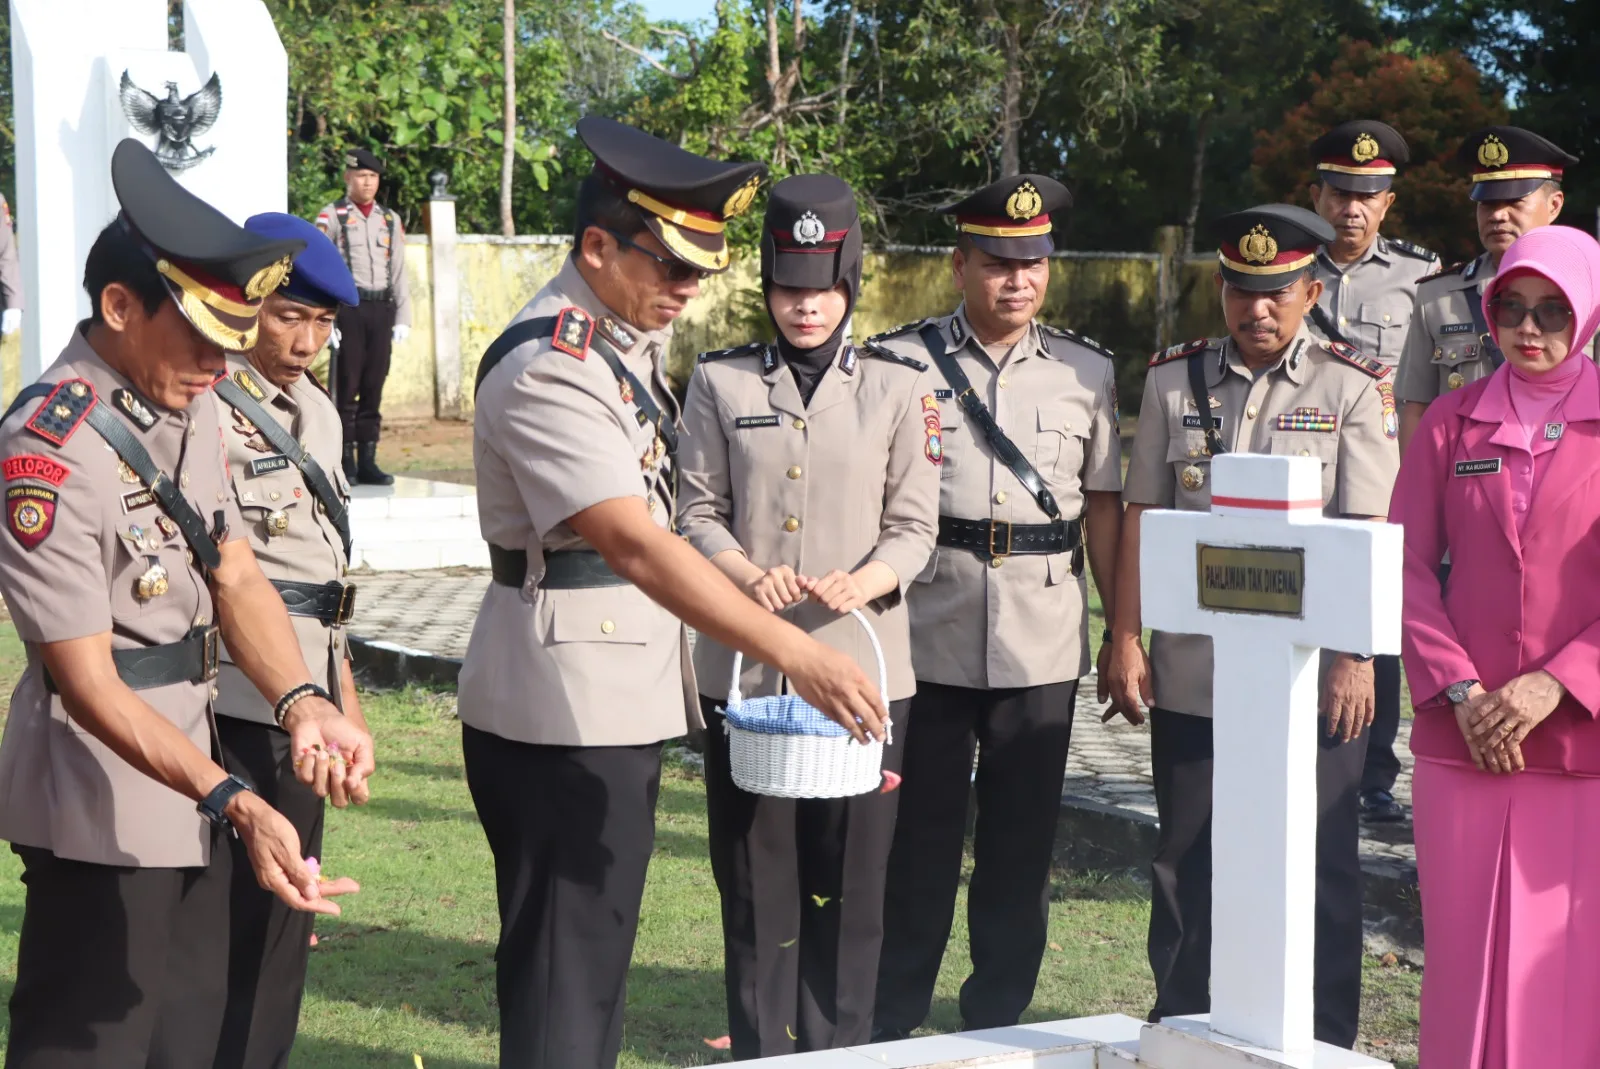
[672,270]
[1510,313]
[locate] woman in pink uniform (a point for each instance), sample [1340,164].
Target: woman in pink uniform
[1504,665]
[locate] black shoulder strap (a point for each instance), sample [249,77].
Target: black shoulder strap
[1481,326]
[122,441]
[26,394]
[1324,323]
[1202,402]
[1005,450]
[280,439]
[516,334]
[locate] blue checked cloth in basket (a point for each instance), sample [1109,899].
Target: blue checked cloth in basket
[790,714]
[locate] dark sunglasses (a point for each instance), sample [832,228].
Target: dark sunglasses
[672,270]
[1549,316]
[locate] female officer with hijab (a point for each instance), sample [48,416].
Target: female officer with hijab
[811,478]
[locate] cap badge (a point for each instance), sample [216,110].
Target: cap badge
[1258,246]
[1024,202]
[351,161]
[742,198]
[268,279]
[1493,152]
[808,229]
[1365,149]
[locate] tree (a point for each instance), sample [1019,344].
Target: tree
[508,153]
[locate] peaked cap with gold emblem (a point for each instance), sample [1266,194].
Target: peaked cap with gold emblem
[1267,247]
[811,235]
[1508,162]
[1011,218]
[1361,156]
[686,199]
[216,271]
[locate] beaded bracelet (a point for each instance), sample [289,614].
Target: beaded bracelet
[281,710]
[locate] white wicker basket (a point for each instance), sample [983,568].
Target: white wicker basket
[804,765]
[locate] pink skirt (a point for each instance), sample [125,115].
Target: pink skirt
[1509,868]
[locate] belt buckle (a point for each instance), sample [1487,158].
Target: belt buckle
[347,605]
[211,642]
[994,526]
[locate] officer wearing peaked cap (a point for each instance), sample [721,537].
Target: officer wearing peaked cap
[281,431]
[999,626]
[1516,186]
[577,668]
[119,526]
[1269,387]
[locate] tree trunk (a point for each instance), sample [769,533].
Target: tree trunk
[508,151]
[844,68]
[1197,181]
[1011,103]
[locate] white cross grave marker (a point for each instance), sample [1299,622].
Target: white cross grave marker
[1272,581]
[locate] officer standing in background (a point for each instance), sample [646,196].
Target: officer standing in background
[374,247]
[577,669]
[281,432]
[123,563]
[10,274]
[1270,387]
[1369,290]
[1516,186]
[999,626]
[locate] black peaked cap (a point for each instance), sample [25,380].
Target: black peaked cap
[1361,156]
[1011,218]
[1267,247]
[811,236]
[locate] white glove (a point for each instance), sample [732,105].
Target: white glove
[333,339]
[10,321]
[401,333]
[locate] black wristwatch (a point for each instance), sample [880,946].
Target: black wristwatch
[213,806]
[1456,693]
[1360,658]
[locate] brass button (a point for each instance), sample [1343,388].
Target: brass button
[1343,322]
[1000,497]
[794,472]
[222,495]
[193,430]
[1250,413]
[799,424]
[1386,317]
[792,524]
[183,480]
[213,692]
[1003,382]
[607,627]
[1305,452]
[275,495]
[995,562]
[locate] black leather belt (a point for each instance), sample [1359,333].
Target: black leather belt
[997,538]
[191,659]
[568,569]
[332,603]
[375,296]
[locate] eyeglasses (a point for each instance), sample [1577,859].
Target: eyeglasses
[672,270]
[1549,316]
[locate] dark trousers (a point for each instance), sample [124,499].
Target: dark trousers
[802,904]
[365,343]
[1382,766]
[268,943]
[1180,900]
[118,968]
[571,829]
[1021,736]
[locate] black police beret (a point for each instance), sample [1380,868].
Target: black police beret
[1011,218]
[1361,156]
[216,271]
[359,159]
[1267,247]
[1508,162]
[811,236]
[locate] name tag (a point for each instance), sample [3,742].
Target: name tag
[1191,420]
[943,395]
[755,421]
[1477,467]
[137,499]
[276,462]
[1456,328]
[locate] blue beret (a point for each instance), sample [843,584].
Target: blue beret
[320,276]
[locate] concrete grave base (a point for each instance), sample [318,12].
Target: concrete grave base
[416,524]
[1107,1042]
[1189,1043]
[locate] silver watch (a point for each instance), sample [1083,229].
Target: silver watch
[1457,692]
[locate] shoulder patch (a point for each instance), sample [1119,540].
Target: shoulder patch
[754,348]
[1453,269]
[574,329]
[1357,359]
[30,514]
[1179,351]
[893,357]
[1072,335]
[136,409]
[904,328]
[249,385]
[1412,249]
[62,412]
[34,466]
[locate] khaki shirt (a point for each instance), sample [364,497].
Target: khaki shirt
[61,789]
[1443,350]
[10,269]
[1359,460]
[754,452]
[310,551]
[551,437]
[375,262]
[1021,624]
[1370,301]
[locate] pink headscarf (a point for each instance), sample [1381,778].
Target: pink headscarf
[1570,259]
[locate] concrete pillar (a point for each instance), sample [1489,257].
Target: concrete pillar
[446,299]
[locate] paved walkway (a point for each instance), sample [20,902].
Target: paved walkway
[1110,764]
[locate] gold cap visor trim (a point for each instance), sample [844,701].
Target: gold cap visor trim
[221,321]
[675,216]
[1266,269]
[1511,176]
[1005,231]
[206,293]
[1342,169]
[685,248]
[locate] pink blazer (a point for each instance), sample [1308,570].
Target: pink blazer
[1512,605]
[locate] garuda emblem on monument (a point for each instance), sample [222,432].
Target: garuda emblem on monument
[175,122]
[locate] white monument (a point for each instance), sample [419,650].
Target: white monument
[86,74]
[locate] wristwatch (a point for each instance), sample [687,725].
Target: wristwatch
[1457,692]
[1361,658]
[212,807]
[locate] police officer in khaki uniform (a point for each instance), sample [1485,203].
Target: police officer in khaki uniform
[1516,186]
[10,274]
[373,243]
[998,618]
[1369,288]
[578,665]
[282,436]
[122,563]
[811,479]
[1270,387]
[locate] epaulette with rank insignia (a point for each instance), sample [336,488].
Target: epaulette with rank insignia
[904,328]
[1410,249]
[1179,351]
[63,411]
[1357,359]
[1072,335]
[752,349]
[893,357]
[1451,270]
